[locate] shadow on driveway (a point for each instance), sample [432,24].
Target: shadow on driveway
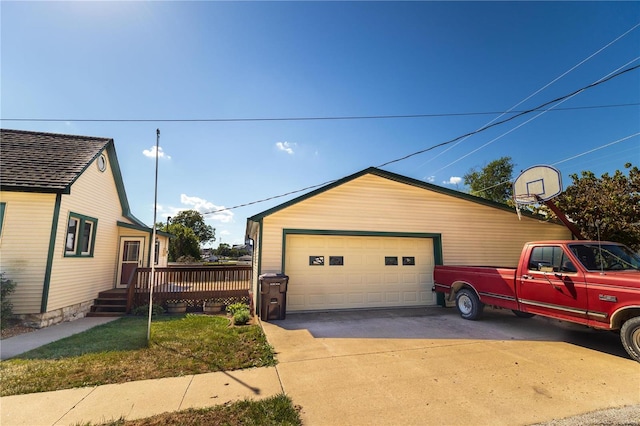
[445,323]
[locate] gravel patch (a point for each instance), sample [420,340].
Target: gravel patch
[624,416]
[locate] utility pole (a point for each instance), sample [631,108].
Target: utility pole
[153,240]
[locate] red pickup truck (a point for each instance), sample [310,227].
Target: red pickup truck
[586,282]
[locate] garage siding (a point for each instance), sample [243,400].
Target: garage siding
[471,233]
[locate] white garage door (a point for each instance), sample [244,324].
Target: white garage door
[344,272]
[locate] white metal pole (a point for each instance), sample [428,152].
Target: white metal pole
[153,240]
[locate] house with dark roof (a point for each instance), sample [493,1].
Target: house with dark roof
[372,239]
[66,231]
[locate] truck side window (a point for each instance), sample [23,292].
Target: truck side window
[547,259]
[586,255]
[567,264]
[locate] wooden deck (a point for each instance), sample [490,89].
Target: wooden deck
[194,285]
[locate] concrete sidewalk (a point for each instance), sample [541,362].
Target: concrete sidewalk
[136,400]
[22,343]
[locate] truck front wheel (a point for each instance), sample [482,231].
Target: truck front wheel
[469,304]
[630,336]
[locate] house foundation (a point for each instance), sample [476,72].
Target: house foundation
[68,313]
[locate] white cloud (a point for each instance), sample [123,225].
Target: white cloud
[203,206]
[453,180]
[286,147]
[151,153]
[430,179]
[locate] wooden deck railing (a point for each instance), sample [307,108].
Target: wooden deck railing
[191,284]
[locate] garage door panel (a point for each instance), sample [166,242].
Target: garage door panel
[363,280]
[393,296]
[391,279]
[375,298]
[295,302]
[410,296]
[355,298]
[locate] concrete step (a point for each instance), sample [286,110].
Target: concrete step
[106,314]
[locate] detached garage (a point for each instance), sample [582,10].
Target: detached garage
[371,240]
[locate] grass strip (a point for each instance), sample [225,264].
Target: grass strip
[277,410]
[118,352]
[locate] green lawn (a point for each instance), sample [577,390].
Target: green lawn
[277,410]
[117,352]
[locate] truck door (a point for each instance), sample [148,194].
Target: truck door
[552,285]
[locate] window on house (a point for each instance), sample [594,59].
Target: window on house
[156,253]
[81,235]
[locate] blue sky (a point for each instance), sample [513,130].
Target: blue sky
[237,60]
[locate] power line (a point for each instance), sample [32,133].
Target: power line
[484,189]
[565,160]
[542,88]
[354,117]
[538,108]
[564,99]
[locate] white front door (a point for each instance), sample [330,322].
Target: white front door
[131,253]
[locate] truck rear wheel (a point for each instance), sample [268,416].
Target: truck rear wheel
[469,304]
[630,336]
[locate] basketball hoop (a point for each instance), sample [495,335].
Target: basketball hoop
[535,185]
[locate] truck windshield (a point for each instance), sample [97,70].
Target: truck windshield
[606,257]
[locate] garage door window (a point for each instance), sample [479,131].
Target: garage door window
[391,260]
[336,260]
[316,260]
[408,260]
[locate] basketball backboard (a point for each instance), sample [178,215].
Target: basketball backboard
[537,183]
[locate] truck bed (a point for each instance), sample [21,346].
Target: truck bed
[494,285]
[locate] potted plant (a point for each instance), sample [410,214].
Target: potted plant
[176,307]
[213,306]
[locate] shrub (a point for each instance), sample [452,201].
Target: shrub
[235,307]
[241,317]
[144,310]
[6,309]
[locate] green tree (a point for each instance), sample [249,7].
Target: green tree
[194,220]
[493,182]
[183,242]
[608,206]
[223,250]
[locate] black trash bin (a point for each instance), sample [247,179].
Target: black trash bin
[273,296]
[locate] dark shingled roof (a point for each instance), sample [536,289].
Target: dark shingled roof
[45,162]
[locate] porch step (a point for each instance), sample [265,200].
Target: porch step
[106,314]
[110,303]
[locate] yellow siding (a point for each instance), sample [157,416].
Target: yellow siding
[78,279]
[24,245]
[471,233]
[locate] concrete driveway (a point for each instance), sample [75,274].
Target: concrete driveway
[429,366]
